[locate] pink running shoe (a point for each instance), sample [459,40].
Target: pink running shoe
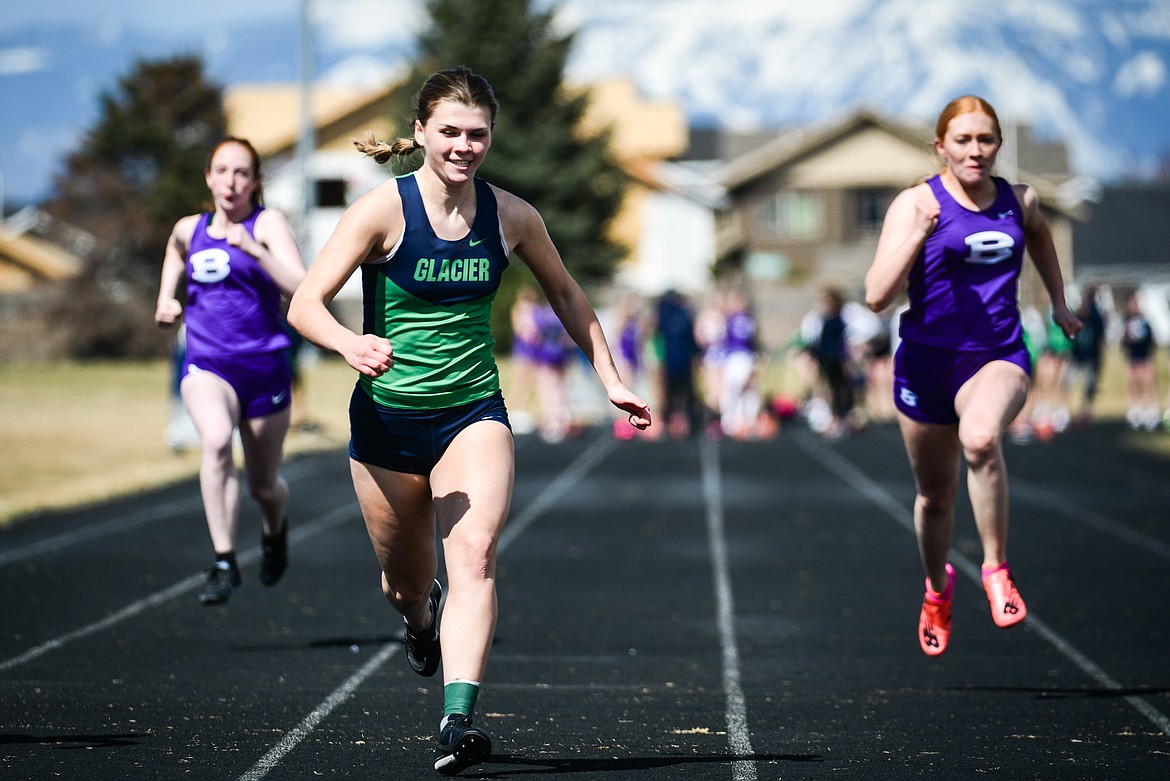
[934,622]
[1007,606]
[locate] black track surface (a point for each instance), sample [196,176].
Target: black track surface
[669,610]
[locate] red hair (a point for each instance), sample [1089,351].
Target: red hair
[257,198]
[965,104]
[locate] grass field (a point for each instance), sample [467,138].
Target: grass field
[77,433]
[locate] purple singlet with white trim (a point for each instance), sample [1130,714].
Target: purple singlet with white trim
[963,286]
[233,306]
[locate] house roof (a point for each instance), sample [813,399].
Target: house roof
[268,115]
[26,260]
[690,180]
[791,146]
[1126,232]
[871,150]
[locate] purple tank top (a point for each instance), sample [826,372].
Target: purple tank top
[963,286]
[233,306]
[630,343]
[741,333]
[552,349]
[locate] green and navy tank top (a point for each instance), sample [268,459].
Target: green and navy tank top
[432,299]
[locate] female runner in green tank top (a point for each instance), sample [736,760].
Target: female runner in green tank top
[431,251]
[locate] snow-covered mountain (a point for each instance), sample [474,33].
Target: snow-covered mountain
[1095,73]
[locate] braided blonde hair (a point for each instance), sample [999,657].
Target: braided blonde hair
[381,151]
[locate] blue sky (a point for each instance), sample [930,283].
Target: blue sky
[1095,72]
[58,56]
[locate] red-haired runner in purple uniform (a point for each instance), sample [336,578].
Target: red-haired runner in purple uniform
[955,244]
[237,260]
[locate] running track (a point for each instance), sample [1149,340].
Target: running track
[690,610]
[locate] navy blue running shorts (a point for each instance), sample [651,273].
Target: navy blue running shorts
[412,441]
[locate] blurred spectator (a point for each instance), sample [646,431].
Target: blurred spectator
[525,345]
[739,396]
[552,357]
[1050,413]
[861,327]
[877,354]
[1020,430]
[1085,358]
[675,328]
[711,337]
[824,332]
[1141,385]
[630,323]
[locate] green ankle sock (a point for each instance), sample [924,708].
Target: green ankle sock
[459,697]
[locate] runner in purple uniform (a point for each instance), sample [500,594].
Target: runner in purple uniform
[956,243]
[237,260]
[739,397]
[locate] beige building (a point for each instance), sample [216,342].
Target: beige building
[27,260]
[644,135]
[30,265]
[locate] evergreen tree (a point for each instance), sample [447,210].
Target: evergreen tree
[135,172]
[538,151]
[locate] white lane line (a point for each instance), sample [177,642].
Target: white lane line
[158,512]
[585,462]
[1141,706]
[738,734]
[1033,493]
[65,539]
[339,695]
[1086,517]
[296,534]
[543,501]
[851,475]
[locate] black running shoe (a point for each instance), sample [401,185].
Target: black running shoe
[274,555]
[461,745]
[422,645]
[222,580]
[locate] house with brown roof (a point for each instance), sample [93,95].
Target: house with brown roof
[27,260]
[36,253]
[807,206]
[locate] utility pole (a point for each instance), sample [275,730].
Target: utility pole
[307,137]
[1010,113]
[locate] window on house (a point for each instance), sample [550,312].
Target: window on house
[330,192]
[792,214]
[869,209]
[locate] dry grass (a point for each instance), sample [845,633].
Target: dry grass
[72,433]
[76,433]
